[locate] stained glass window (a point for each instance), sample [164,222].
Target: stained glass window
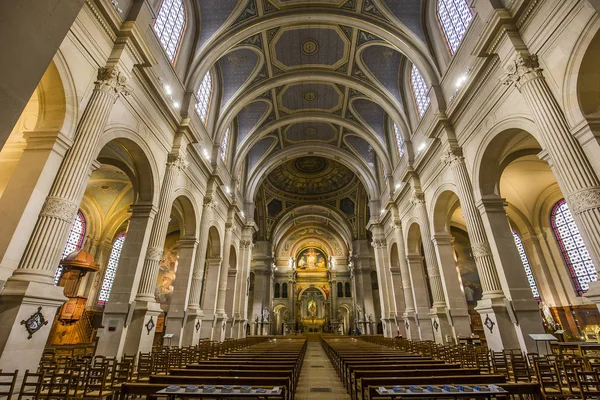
[169,26]
[572,247]
[203,97]
[399,140]
[455,17]
[111,269]
[420,90]
[526,266]
[74,242]
[224,145]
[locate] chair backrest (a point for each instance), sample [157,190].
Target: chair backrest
[548,378]
[7,383]
[95,380]
[60,386]
[589,384]
[31,385]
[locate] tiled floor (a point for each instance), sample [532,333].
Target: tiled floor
[318,379]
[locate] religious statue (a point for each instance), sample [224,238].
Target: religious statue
[291,263]
[265,314]
[331,262]
[312,308]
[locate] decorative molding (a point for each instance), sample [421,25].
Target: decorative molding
[111,80]
[34,323]
[57,207]
[481,250]
[154,254]
[150,325]
[584,200]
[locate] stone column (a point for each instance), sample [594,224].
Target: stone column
[195,314]
[209,297]
[139,337]
[292,302]
[523,311]
[104,250]
[177,315]
[439,309]
[388,310]
[118,313]
[333,291]
[222,293]
[31,287]
[240,308]
[458,312]
[410,327]
[573,170]
[422,327]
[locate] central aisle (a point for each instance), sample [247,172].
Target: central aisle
[318,379]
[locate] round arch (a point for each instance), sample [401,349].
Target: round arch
[326,151]
[370,136]
[183,205]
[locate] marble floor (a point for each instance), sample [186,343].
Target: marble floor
[318,379]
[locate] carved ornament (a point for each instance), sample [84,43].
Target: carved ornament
[56,207]
[177,161]
[481,250]
[113,81]
[521,70]
[584,200]
[154,254]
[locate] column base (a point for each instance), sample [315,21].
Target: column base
[220,326]
[497,324]
[116,339]
[442,330]
[460,321]
[19,300]
[388,325]
[175,325]
[208,326]
[411,325]
[193,324]
[425,327]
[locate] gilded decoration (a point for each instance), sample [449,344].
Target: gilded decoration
[311,258]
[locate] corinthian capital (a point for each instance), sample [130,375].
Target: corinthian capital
[453,157]
[177,161]
[417,198]
[521,70]
[113,81]
[378,243]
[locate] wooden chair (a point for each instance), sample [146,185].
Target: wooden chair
[7,383]
[144,367]
[500,363]
[589,384]
[31,387]
[95,383]
[519,368]
[549,380]
[59,386]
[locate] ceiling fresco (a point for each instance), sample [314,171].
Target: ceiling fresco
[310,177]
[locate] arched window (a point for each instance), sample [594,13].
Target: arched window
[340,289]
[74,241]
[224,145]
[420,90]
[169,26]
[399,141]
[526,266]
[455,17]
[284,291]
[203,97]
[277,289]
[347,289]
[572,247]
[111,269]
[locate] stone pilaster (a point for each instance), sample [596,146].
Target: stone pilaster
[175,164]
[419,323]
[240,307]
[222,292]
[388,310]
[408,313]
[209,297]
[439,309]
[31,285]
[195,315]
[573,170]
[177,315]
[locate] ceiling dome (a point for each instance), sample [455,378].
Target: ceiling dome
[310,176]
